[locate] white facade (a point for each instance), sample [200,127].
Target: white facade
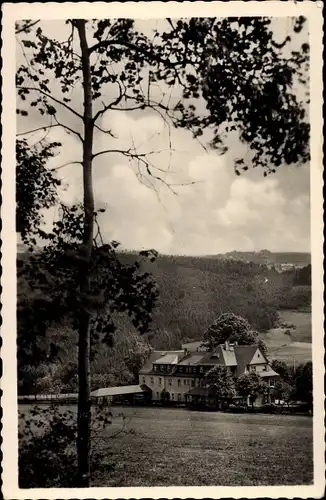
[176,386]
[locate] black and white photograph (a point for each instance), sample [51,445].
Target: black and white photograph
[162,250]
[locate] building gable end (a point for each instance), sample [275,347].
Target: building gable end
[258,358]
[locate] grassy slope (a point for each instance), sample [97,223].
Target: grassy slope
[177,447]
[295,347]
[189,449]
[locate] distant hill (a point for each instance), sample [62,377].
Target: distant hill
[298,259]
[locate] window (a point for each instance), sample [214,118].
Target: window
[170,381]
[192,383]
[201,369]
[160,381]
[155,368]
[253,368]
[152,380]
[144,380]
[194,369]
[172,396]
[158,394]
[179,383]
[181,369]
[185,382]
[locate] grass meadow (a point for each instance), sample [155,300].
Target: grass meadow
[177,447]
[296,347]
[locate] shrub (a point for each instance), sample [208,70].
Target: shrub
[47,446]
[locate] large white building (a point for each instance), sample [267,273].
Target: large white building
[181,373]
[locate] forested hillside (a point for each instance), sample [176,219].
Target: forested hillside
[193,292]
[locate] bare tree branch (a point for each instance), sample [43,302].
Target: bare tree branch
[109,106]
[68,129]
[48,127]
[66,164]
[37,129]
[105,131]
[128,152]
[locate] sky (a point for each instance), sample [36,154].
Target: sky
[209,209]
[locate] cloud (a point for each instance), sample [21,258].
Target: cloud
[213,211]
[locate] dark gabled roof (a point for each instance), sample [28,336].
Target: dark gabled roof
[220,356]
[234,355]
[268,373]
[213,358]
[193,358]
[147,367]
[244,354]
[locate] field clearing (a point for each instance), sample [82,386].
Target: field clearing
[296,346]
[178,447]
[302,321]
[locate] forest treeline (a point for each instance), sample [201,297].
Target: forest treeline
[193,292]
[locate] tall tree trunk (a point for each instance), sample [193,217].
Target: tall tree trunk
[84,399]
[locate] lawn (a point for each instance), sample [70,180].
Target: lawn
[295,347]
[178,447]
[302,321]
